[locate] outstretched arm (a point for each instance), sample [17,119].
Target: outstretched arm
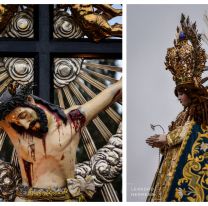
[101,101]
[91,108]
[108,10]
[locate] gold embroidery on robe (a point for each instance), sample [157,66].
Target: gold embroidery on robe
[195,173]
[171,158]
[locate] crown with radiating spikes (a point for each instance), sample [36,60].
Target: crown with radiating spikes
[186,60]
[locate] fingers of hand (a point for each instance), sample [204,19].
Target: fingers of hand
[154,141]
[151,139]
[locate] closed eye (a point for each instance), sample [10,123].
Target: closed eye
[22,115]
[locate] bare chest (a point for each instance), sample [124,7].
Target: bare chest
[58,140]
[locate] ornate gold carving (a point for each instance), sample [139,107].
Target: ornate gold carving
[186,60]
[93,20]
[6,13]
[43,194]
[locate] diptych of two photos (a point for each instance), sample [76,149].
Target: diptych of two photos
[63,137]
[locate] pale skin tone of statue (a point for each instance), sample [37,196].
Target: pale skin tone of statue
[159,140]
[53,163]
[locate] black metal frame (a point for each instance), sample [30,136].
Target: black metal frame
[43,48]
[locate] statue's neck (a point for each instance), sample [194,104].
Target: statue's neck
[52,117]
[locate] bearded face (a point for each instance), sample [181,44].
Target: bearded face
[30,120]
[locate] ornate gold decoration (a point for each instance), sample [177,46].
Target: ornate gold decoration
[6,13]
[93,20]
[173,137]
[46,194]
[186,131]
[168,168]
[195,174]
[186,60]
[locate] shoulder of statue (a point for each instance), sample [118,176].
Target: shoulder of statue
[76,117]
[181,118]
[181,114]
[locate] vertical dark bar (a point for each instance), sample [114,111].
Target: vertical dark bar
[36,75]
[44,56]
[51,9]
[35,22]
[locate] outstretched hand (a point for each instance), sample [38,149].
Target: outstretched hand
[158,141]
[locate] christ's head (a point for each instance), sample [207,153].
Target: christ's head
[28,118]
[26,113]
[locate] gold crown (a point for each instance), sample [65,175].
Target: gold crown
[186,60]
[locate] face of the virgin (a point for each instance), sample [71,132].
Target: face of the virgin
[184,99]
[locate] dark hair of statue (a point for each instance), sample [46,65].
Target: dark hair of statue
[198,109]
[20,99]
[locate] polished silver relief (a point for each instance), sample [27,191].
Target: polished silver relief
[21,25]
[66,70]
[20,69]
[9,179]
[65,26]
[106,164]
[83,169]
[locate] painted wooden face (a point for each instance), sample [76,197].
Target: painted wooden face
[28,120]
[184,99]
[24,117]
